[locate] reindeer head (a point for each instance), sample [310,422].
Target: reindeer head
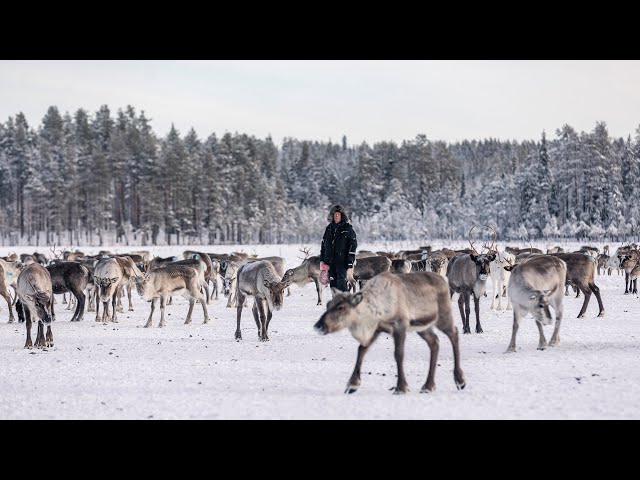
[40,301]
[141,283]
[276,291]
[341,312]
[540,307]
[483,268]
[106,285]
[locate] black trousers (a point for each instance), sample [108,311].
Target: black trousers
[338,277]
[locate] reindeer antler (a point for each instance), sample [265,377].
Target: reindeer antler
[306,251]
[495,237]
[474,248]
[53,250]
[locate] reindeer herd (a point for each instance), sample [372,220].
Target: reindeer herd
[392,293]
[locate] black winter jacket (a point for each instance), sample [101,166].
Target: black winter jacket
[339,245]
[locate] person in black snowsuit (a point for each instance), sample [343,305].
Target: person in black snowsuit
[339,246]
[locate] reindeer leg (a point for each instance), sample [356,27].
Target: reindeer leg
[354,381]
[240,303]
[467,311]
[40,343]
[53,313]
[465,329]
[49,337]
[113,303]
[432,340]
[555,338]
[6,296]
[153,307]
[192,302]
[105,313]
[80,301]
[516,323]
[476,304]
[64,298]
[587,296]
[97,299]
[255,310]
[15,294]
[594,288]
[269,315]
[162,300]
[542,342]
[399,336]
[318,290]
[129,295]
[452,332]
[26,317]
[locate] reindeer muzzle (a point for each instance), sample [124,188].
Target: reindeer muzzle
[482,277]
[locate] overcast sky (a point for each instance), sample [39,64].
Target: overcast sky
[323,100]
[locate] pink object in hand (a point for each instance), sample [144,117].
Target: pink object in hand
[324,277]
[324,267]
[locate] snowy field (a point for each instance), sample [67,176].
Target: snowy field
[124,371]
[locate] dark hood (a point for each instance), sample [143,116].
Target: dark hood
[338,208]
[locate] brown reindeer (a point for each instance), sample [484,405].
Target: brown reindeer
[396,304]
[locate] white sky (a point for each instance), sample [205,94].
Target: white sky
[321,100]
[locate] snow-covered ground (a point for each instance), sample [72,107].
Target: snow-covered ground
[124,371]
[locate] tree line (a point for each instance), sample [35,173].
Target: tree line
[101,179]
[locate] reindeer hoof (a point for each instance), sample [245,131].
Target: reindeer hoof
[429,389]
[601,314]
[542,347]
[466,330]
[460,386]
[351,389]
[581,316]
[399,391]
[479,330]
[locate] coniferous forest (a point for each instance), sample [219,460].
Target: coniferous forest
[106,178]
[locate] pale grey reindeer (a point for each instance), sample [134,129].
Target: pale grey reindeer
[500,278]
[260,280]
[308,271]
[204,257]
[170,280]
[279,264]
[438,262]
[396,304]
[35,300]
[467,276]
[229,283]
[108,278]
[535,285]
[9,272]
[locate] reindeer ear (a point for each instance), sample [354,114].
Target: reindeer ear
[473,257]
[491,257]
[335,292]
[508,268]
[266,283]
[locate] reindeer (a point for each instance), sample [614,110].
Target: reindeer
[365,269]
[279,265]
[35,300]
[438,263]
[260,280]
[229,283]
[70,277]
[500,278]
[602,263]
[555,250]
[396,304]
[308,271]
[200,267]
[109,278]
[468,275]
[629,258]
[9,274]
[535,285]
[581,273]
[365,254]
[209,270]
[170,280]
[4,292]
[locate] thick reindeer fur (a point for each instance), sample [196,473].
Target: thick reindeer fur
[171,280]
[260,280]
[35,300]
[534,286]
[396,304]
